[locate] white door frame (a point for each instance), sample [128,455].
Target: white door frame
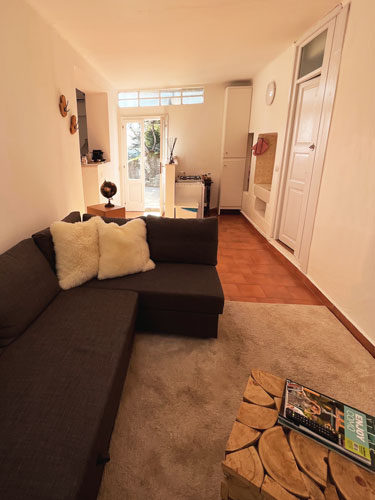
[307,151]
[329,77]
[123,121]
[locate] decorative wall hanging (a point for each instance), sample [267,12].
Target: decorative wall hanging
[63,105]
[73,124]
[260,147]
[108,190]
[270,93]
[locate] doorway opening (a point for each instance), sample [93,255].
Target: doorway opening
[142,150]
[314,84]
[152,164]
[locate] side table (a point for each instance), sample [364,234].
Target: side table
[264,461]
[103,211]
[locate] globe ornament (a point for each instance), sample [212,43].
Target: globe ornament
[108,190]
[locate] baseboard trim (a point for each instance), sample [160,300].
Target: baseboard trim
[357,334]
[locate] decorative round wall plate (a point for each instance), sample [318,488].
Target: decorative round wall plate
[270,93]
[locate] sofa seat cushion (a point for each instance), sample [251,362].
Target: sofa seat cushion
[179,287]
[57,393]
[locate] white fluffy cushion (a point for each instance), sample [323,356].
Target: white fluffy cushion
[123,249]
[77,251]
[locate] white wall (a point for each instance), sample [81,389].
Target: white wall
[269,119]
[40,163]
[342,256]
[198,128]
[98,123]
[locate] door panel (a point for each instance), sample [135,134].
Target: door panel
[306,117]
[163,160]
[232,183]
[293,212]
[237,122]
[301,160]
[134,171]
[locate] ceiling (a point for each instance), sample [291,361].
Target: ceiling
[157,43]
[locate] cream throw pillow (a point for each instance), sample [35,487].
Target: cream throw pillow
[77,251]
[123,249]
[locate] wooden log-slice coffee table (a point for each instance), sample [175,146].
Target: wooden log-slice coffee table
[265,461]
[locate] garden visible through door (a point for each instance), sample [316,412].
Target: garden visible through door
[141,139]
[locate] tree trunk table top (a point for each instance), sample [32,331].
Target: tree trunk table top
[265,461]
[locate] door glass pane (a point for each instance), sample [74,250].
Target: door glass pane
[149,93]
[193,100]
[168,101]
[149,102]
[128,103]
[170,93]
[192,92]
[152,164]
[128,95]
[312,54]
[133,142]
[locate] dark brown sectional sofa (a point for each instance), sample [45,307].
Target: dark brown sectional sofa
[64,354]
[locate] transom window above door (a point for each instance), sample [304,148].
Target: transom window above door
[167,97]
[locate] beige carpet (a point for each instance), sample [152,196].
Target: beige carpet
[181,394]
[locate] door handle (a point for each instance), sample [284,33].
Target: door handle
[312,147]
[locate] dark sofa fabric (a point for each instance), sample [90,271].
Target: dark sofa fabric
[60,387]
[192,241]
[27,286]
[182,287]
[192,324]
[117,220]
[183,295]
[183,299]
[43,239]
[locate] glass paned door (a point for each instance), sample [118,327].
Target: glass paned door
[133,138]
[142,148]
[152,164]
[134,171]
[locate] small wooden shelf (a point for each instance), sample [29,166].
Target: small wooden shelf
[103,211]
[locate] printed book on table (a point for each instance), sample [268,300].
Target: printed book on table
[336,425]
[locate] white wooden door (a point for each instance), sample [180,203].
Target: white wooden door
[231,185]
[236,126]
[134,179]
[163,160]
[301,161]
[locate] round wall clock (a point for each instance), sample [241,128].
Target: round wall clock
[270,93]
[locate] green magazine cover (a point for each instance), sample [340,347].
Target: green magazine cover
[338,426]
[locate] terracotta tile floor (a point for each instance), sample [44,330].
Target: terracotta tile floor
[250,272]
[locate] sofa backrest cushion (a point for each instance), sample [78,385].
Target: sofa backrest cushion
[43,240]
[118,220]
[27,286]
[192,241]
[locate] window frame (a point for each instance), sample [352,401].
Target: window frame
[181,94]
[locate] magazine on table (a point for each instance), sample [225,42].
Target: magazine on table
[340,427]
